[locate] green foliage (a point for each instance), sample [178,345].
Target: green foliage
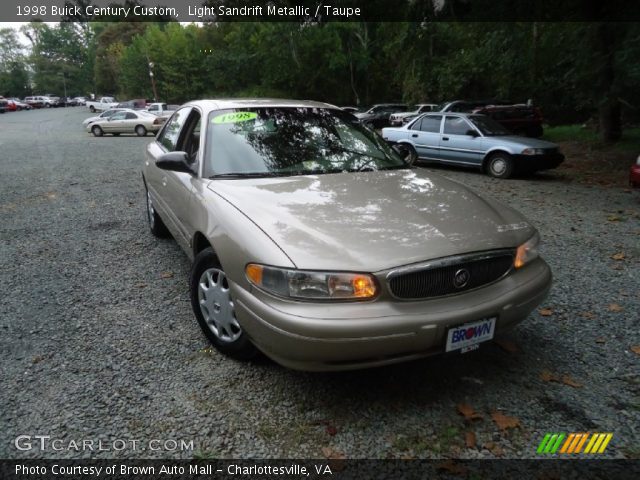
[573,71]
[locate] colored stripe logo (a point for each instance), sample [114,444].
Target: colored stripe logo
[573,443]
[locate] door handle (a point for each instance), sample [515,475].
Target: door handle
[415,135]
[445,138]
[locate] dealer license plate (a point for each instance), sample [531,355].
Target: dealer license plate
[467,337]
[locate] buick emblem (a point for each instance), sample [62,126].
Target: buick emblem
[461,278]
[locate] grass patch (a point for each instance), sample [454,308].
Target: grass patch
[630,141]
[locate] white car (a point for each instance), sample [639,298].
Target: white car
[102,116]
[127,121]
[398,119]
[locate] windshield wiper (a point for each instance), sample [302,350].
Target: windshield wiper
[244,175]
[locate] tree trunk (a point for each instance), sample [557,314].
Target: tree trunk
[609,112]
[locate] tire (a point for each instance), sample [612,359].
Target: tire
[141,131]
[97,131]
[500,165]
[92,109]
[156,225]
[214,308]
[408,153]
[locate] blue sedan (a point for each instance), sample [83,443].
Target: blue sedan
[474,141]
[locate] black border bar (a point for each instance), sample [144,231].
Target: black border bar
[322,10]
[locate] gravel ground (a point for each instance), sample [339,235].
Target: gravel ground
[98,342]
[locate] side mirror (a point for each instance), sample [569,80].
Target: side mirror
[472,133]
[174,162]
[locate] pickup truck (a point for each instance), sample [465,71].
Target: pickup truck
[105,103]
[161,109]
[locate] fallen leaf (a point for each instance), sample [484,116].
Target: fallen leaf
[545,312]
[618,256]
[613,218]
[140,285]
[452,467]
[331,430]
[547,376]
[332,453]
[507,345]
[37,359]
[470,439]
[497,450]
[636,349]
[567,380]
[505,422]
[166,274]
[468,412]
[614,307]
[601,340]
[588,315]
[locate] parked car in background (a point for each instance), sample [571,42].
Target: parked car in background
[54,100]
[19,104]
[162,109]
[126,121]
[4,105]
[322,248]
[353,110]
[105,103]
[634,174]
[39,101]
[77,101]
[137,104]
[398,119]
[472,140]
[378,115]
[103,116]
[518,118]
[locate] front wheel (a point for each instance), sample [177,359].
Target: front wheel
[500,165]
[92,109]
[214,307]
[141,131]
[97,131]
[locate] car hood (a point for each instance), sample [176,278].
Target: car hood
[524,142]
[373,221]
[90,120]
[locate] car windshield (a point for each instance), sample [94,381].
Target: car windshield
[283,141]
[488,126]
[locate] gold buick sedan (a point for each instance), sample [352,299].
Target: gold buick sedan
[315,243]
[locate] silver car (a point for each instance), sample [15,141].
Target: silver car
[126,121]
[313,242]
[472,140]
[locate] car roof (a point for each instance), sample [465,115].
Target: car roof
[224,103]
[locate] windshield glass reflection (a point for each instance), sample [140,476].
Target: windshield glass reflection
[292,141]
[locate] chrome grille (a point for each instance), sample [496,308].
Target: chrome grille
[443,277]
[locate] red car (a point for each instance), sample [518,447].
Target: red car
[634,174]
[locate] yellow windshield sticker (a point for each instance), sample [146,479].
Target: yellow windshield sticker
[235,117]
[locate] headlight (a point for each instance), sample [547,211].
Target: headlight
[533,151]
[311,285]
[527,252]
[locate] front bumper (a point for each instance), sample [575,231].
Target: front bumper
[538,162]
[322,336]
